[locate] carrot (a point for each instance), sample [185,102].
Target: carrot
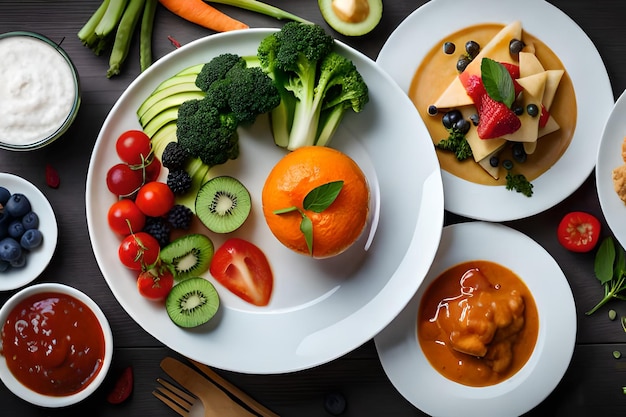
[198,12]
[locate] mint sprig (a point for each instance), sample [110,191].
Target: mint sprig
[497,81]
[316,200]
[610,269]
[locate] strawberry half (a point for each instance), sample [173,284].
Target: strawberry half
[496,119]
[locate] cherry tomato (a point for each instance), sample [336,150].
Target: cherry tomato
[243,269]
[122,180]
[133,147]
[139,251]
[153,169]
[124,217]
[155,199]
[123,387]
[156,283]
[579,231]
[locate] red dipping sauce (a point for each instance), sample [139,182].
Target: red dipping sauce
[53,344]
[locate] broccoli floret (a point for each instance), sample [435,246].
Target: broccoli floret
[217,68]
[316,84]
[206,133]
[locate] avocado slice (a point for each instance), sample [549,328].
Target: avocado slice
[352,17]
[171,100]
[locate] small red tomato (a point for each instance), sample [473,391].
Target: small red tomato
[153,169]
[156,283]
[243,269]
[579,231]
[155,199]
[124,217]
[139,251]
[122,180]
[133,147]
[123,387]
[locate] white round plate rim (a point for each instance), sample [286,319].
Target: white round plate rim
[402,54]
[609,157]
[38,260]
[414,377]
[282,340]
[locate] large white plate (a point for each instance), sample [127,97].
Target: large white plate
[414,377]
[410,42]
[38,259]
[609,157]
[319,309]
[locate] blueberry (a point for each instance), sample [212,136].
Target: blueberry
[475,119]
[4,265]
[450,118]
[516,46]
[335,403]
[462,126]
[16,229]
[4,195]
[462,63]
[507,164]
[5,220]
[494,161]
[532,110]
[449,48]
[519,153]
[30,220]
[472,48]
[18,205]
[432,110]
[19,262]
[31,239]
[518,109]
[10,250]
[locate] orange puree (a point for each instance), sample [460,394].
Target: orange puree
[437,72]
[477,323]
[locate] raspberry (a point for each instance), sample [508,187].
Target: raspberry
[180,217]
[179,181]
[174,156]
[158,228]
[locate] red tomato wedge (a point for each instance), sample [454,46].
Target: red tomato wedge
[243,269]
[579,231]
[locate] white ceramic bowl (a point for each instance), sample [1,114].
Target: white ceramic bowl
[22,391]
[39,91]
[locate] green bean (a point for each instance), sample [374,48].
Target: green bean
[111,18]
[145,36]
[124,35]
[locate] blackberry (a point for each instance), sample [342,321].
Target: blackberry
[158,228]
[180,217]
[174,156]
[179,181]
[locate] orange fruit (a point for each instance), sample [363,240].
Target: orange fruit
[335,228]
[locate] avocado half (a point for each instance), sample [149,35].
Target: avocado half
[351,17]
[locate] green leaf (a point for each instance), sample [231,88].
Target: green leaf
[605,258]
[306,227]
[497,81]
[321,197]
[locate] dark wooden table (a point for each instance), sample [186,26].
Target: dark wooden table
[593,383]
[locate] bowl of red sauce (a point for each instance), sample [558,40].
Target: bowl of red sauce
[56,345]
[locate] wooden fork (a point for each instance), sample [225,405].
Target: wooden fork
[175,398]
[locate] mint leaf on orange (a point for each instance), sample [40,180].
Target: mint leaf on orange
[497,81]
[321,197]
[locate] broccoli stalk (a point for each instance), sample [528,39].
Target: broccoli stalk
[316,84]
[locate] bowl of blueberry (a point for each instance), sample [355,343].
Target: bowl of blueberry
[28,232]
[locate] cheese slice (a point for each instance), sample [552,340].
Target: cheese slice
[534,87]
[498,49]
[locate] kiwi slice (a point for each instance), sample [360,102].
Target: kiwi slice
[189,255]
[223,204]
[192,302]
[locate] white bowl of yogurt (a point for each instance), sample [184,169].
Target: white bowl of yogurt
[39,91]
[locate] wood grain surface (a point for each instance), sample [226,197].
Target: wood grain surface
[592,385]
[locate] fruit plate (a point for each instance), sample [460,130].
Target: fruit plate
[413,376]
[401,55]
[38,259]
[609,157]
[320,309]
